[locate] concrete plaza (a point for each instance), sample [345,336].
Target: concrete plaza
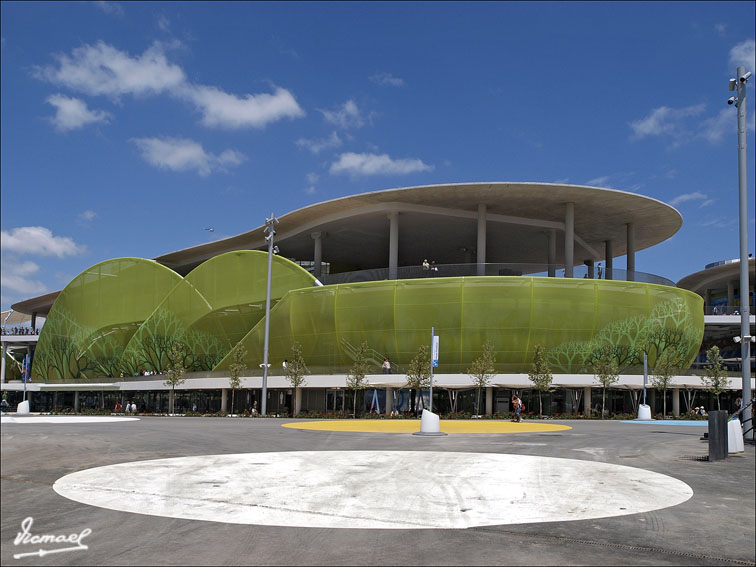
[713,526]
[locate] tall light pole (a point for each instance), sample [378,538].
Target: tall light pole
[270,229]
[740,82]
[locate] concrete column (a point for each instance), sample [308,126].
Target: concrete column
[2,363]
[707,301]
[731,297]
[389,400]
[481,240]
[224,399]
[317,255]
[630,252]
[297,401]
[591,269]
[77,405]
[587,401]
[569,239]
[393,244]
[489,400]
[675,401]
[34,320]
[552,253]
[102,399]
[609,273]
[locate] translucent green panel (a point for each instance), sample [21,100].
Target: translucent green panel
[95,316]
[569,317]
[212,309]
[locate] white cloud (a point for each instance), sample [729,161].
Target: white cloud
[387,79]
[113,8]
[348,115]
[312,178]
[665,121]
[87,215]
[181,154]
[164,23]
[38,240]
[20,284]
[707,203]
[229,111]
[744,54]
[317,146]
[373,164]
[72,113]
[695,196]
[713,129]
[310,190]
[104,70]
[720,28]
[598,181]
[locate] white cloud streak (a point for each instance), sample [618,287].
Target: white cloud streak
[695,196]
[744,54]
[181,154]
[598,181]
[317,146]
[373,164]
[665,121]
[112,8]
[40,241]
[72,113]
[87,215]
[387,79]
[103,70]
[346,116]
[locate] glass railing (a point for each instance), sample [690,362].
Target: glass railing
[725,310]
[461,270]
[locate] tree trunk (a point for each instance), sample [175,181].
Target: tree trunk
[603,402]
[664,403]
[540,405]
[477,405]
[719,408]
[354,404]
[232,399]
[412,401]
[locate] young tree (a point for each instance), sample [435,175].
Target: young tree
[482,369]
[540,375]
[238,354]
[418,374]
[716,380]
[668,364]
[356,379]
[606,370]
[176,370]
[296,370]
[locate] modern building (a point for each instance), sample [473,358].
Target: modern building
[513,264]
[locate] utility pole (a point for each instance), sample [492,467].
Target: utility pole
[270,224]
[740,82]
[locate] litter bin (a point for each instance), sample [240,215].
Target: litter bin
[717,435]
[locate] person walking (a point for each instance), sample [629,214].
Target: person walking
[518,405]
[386,366]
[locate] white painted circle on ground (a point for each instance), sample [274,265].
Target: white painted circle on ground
[374,489]
[64,419]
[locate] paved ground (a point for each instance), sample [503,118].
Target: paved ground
[714,527]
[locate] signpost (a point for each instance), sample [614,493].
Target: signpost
[434,364]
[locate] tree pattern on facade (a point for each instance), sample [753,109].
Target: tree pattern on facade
[669,328]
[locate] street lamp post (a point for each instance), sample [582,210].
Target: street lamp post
[270,229]
[740,82]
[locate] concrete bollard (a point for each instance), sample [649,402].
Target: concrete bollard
[23,408]
[430,424]
[735,436]
[717,435]
[644,412]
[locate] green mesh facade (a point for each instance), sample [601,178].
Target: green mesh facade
[121,316]
[570,318]
[211,310]
[95,316]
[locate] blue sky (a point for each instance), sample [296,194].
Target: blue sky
[129,128]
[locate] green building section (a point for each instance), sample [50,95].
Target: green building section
[211,310]
[573,320]
[96,315]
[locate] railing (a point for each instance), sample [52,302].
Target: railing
[461,270]
[724,310]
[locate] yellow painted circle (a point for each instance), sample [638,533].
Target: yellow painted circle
[413,425]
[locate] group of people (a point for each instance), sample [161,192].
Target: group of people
[430,269]
[20,331]
[130,407]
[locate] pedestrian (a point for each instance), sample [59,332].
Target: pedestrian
[285,366]
[517,405]
[426,267]
[434,268]
[118,407]
[4,403]
[254,407]
[386,366]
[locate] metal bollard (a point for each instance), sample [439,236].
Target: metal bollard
[717,435]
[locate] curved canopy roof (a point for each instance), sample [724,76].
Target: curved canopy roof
[716,277]
[440,222]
